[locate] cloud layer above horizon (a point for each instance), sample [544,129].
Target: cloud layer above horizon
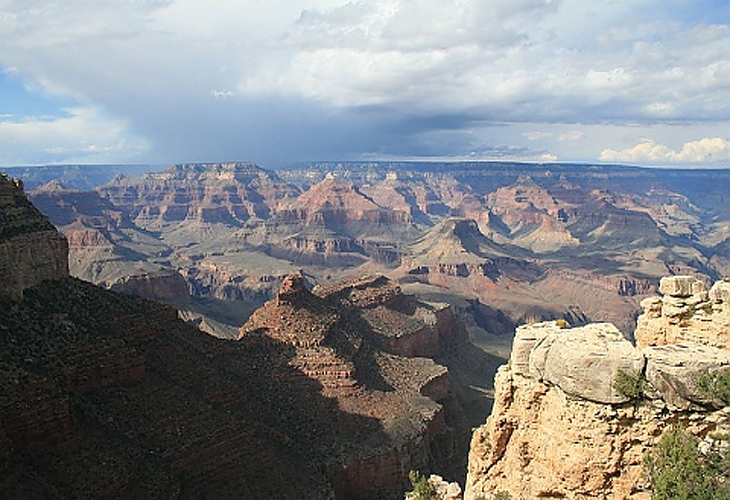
[277,81]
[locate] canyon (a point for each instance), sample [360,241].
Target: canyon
[526,242]
[347,299]
[329,393]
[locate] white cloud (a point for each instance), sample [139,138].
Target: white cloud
[85,136]
[572,136]
[225,77]
[702,151]
[427,56]
[538,135]
[520,60]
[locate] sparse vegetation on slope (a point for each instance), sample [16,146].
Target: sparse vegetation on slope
[630,384]
[422,488]
[679,471]
[716,385]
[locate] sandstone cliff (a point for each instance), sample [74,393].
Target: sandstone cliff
[31,250]
[561,429]
[228,193]
[687,312]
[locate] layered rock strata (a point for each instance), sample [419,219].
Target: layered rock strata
[357,339]
[106,395]
[104,244]
[31,250]
[562,427]
[228,193]
[686,312]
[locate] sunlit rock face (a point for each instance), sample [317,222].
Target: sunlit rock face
[686,312]
[562,428]
[229,193]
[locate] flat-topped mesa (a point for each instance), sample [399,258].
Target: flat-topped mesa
[163,286]
[686,312]
[363,292]
[229,193]
[31,250]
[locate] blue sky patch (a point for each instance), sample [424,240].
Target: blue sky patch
[20,101]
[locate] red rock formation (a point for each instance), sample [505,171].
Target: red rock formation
[228,193]
[334,202]
[108,395]
[533,217]
[338,332]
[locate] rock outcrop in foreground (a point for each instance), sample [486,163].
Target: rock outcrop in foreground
[561,429]
[687,312]
[31,250]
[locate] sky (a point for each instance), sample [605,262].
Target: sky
[644,82]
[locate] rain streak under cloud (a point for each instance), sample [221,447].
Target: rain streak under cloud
[276,82]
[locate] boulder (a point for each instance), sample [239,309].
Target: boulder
[652,307]
[678,286]
[720,293]
[674,369]
[526,337]
[584,361]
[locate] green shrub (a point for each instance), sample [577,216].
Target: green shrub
[716,385]
[678,471]
[562,323]
[502,495]
[422,489]
[630,384]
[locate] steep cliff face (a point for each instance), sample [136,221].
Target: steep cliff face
[560,428]
[358,339]
[31,250]
[687,312]
[228,193]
